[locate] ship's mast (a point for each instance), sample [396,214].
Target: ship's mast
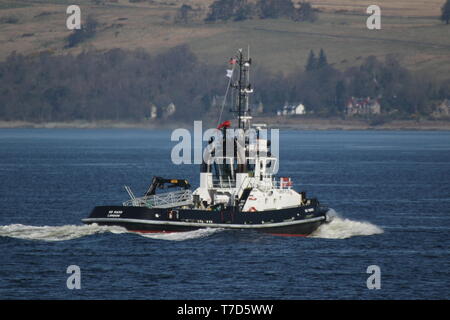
[244,89]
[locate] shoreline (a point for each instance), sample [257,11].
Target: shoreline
[292,123]
[302,123]
[87,125]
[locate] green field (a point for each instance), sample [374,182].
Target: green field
[343,37]
[421,42]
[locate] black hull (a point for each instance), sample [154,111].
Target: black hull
[298,221]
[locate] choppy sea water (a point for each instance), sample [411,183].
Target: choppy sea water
[389,193]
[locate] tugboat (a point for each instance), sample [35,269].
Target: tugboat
[238,187]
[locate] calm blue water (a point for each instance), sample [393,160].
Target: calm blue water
[391,191]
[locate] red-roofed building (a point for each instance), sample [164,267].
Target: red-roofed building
[362,106]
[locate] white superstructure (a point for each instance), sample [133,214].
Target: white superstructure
[238,167]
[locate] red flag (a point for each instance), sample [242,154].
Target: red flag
[225,125]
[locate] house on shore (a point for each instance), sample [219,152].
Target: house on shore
[362,106]
[294,109]
[162,112]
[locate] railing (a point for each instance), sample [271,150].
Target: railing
[163,200]
[223,182]
[266,185]
[280,184]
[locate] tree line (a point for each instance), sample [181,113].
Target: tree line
[324,90]
[112,85]
[122,85]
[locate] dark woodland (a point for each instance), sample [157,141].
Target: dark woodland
[122,85]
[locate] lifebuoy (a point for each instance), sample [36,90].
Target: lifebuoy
[252,209]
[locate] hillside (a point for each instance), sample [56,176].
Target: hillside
[410,30]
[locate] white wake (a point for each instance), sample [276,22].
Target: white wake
[69,232]
[55,233]
[342,228]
